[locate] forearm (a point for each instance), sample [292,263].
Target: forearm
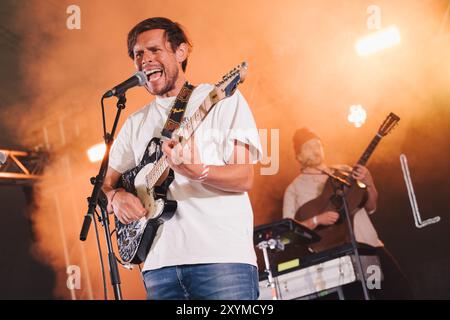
[363,175]
[310,223]
[235,176]
[108,189]
[109,185]
[230,177]
[372,199]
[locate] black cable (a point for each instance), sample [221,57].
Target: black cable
[125,265]
[102,266]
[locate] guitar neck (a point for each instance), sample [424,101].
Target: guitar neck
[366,155]
[186,132]
[388,124]
[369,150]
[191,124]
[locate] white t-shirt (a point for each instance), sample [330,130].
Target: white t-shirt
[307,187]
[210,225]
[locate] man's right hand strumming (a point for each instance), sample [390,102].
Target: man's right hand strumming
[126,206]
[327,218]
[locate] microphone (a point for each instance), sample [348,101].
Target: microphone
[138,79]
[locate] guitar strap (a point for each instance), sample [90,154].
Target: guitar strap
[173,123]
[177,112]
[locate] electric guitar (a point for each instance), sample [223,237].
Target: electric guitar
[356,197]
[135,239]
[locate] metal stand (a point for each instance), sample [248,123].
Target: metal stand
[340,192]
[22,167]
[113,268]
[98,196]
[272,244]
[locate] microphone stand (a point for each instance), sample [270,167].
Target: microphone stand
[339,191]
[98,197]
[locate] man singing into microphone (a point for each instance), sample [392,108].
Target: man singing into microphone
[206,250]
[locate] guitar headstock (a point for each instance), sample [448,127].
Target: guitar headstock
[230,81]
[388,124]
[223,89]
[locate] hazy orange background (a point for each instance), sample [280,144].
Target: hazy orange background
[303,70]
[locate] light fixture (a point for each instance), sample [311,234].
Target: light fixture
[378,41]
[357,115]
[96,152]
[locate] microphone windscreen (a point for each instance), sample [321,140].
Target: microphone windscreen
[142,77]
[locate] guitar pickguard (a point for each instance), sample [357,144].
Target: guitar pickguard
[135,239]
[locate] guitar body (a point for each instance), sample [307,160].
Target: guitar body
[336,234]
[135,239]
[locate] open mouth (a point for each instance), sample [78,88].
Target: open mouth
[154,74]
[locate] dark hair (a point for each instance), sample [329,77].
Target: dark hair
[173,31]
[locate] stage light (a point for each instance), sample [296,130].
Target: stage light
[357,115]
[378,41]
[96,152]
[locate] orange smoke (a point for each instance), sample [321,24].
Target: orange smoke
[303,71]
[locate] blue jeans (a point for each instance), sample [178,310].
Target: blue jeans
[216,281]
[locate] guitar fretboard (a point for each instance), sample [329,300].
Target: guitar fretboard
[366,155]
[369,150]
[186,130]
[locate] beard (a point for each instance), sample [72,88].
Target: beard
[311,161]
[170,84]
